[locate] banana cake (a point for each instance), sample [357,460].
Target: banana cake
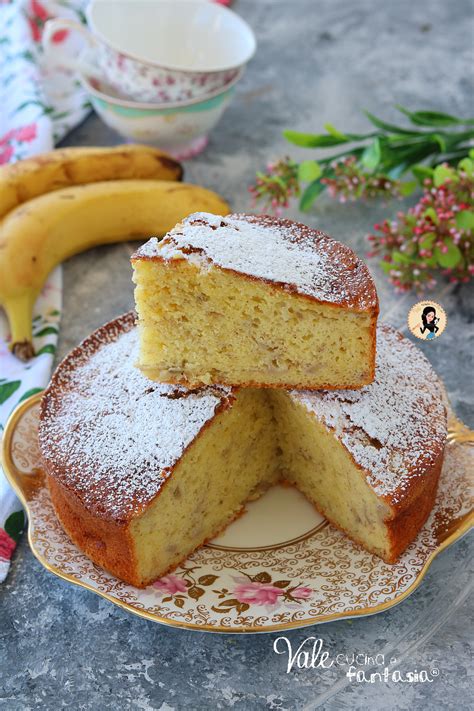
[141,473]
[257,301]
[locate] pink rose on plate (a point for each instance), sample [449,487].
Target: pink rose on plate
[302,593]
[257,593]
[170,584]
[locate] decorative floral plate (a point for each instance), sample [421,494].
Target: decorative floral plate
[280,565]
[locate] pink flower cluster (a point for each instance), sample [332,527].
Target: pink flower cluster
[349,182]
[435,237]
[275,187]
[344,179]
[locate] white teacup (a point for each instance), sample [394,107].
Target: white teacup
[181,129]
[159,50]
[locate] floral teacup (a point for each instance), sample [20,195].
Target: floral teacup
[181,129]
[159,50]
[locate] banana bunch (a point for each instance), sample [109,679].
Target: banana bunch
[113,201]
[41,174]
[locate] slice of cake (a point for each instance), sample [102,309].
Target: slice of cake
[140,473]
[370,459]
[254,301]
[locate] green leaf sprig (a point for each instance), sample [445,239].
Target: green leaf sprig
[370,163]
[391,150]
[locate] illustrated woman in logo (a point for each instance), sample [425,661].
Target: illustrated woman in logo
[429,323]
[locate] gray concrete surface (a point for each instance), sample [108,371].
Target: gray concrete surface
[63,647]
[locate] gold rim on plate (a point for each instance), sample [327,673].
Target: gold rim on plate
[457,432]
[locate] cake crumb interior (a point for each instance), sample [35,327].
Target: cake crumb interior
[211,485]
[200,326]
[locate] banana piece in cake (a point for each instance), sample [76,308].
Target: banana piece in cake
[254,301]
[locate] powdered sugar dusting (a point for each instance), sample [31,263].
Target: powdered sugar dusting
[394,428]
[303,260]
[118,432]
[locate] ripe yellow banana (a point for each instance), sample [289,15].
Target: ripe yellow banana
[65,167]
[45,231]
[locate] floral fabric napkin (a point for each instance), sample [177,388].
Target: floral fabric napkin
[39,105]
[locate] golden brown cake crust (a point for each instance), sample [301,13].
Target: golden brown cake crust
[404,528]
[106,543]
[336,278]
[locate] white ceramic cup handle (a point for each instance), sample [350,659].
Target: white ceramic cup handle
[60,53]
